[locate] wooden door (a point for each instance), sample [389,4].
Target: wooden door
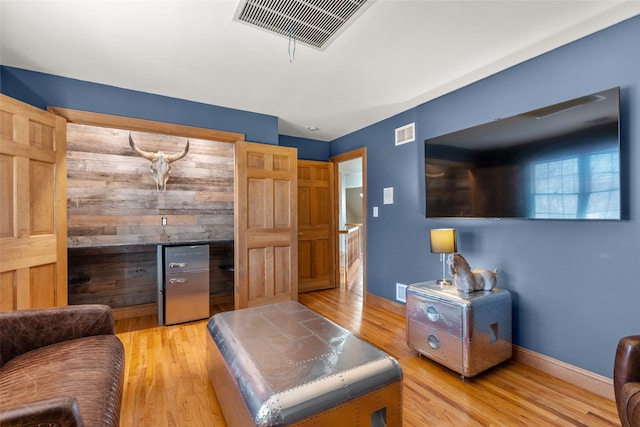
[266,225]
[316,226]
[33,207]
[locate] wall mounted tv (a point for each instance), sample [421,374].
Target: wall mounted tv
[557,162]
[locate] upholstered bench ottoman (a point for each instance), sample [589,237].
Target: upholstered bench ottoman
[283,364]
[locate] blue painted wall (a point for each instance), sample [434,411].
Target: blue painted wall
[43,90]
[308,149]
[576,285]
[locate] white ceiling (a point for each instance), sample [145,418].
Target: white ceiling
[396,55]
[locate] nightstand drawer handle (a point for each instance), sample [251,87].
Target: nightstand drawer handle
[432,313]
[433,341]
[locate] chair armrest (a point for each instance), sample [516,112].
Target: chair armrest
[60,411]
[25,330]
[626,369]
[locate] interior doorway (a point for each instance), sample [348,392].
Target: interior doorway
[351,192]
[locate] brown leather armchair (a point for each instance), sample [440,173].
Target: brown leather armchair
[626,380]
[60,366]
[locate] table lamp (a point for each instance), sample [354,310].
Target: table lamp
[443,241]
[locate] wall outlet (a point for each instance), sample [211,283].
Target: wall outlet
[164,222]
[401,292]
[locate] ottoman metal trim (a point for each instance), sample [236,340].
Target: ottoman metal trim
[283,363]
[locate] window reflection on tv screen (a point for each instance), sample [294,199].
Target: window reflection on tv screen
[557,162]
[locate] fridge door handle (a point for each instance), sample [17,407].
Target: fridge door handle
[177,265]
[177,281]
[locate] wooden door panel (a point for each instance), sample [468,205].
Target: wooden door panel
[304,203]
[316,226]
[266,268]
[6,196]
[282,201]
[7,290]
[41,199]
[257,206]
[323,211]
[23,253]
[41,294]
[257,274]
[304,260]
[283,257]
[33,232]
[315,268]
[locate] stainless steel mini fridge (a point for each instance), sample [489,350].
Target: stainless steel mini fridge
[183,283]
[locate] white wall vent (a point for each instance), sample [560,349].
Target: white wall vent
[312,22]
[406,134]
[401,292]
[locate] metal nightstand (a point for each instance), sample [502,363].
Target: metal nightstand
[468,333]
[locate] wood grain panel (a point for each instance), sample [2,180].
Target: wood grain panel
[22,191]
[281,284]
[304,202]
[42,208]
[257,262]
[21,150]
[126,275]
[109,184]
[61,290]
[257,207]
[22,253]
[304,261]
[22,288]
[41,293]
[7,196]
[7,291]
[119,122]
[6,126]
[281,203]
[118,276]
[352,253]
[41,135]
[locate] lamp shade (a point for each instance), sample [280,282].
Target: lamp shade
[443,240]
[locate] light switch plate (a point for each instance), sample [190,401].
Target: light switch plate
[375,212]
[388,195]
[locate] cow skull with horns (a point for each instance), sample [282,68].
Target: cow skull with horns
[160,163]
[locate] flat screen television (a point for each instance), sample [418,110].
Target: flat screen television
[556,162]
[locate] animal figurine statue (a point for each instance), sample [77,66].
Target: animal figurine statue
[467,280]
[160,163]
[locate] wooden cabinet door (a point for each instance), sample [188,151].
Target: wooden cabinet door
[316,226]
[33,207]
[265,232]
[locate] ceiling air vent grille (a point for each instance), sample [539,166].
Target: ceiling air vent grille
[406,134]
[313,22]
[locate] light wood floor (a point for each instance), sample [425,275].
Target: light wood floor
[166,382]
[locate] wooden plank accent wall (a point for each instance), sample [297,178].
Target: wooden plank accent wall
[115,211]
[112,197]
[126,275]
[118,276]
